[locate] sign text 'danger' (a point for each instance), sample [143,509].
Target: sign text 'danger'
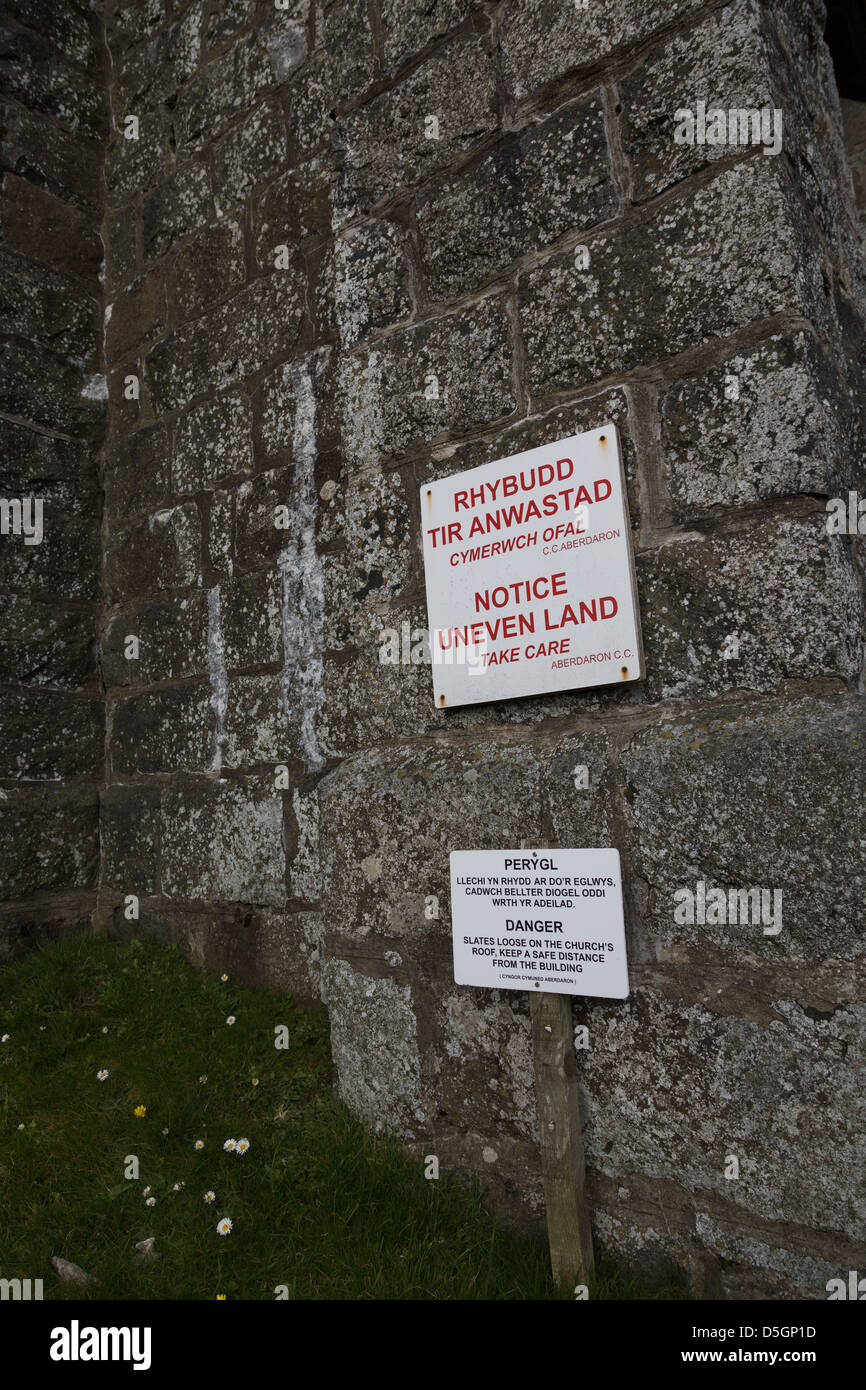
[530,575]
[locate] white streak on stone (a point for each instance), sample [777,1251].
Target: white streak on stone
[219,681]
[303,590]
[95,388]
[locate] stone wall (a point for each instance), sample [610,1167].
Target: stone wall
[311,211]
[52,413]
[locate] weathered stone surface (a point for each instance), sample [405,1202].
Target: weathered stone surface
[251,616]
[172,638]
[375,1048]
[725,62]
[248,155]
[785,593]
[129,822]
[342,66]
[60,471]
[163,731]
[416,805]
[49,839]
[38,304]
[553,179]
[378,555]
[36,386]
[211,442]
[49,735]
[49,229]
[411,25]
[220,535]
[72,35]
[130,21]
[64,564]
[662,285]
[574,38]
[44,644]
[121,251]
[294,207]
[384,146]
[135,165]
[257,536]
[177,207]
[441,378]
[34,76]
[137,316]
[220,91]
[207,268]
[37,149]
[230,343]
[753,801]
[787,431]
[487,1084]
[161,552]
[137,473]
[364,283]
[256,725]
[222,841]
[767,1094]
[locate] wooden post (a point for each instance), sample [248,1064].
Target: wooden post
[562,1165]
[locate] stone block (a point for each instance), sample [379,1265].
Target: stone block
[211,442]
[661,285]
[223,842]
[49,841]
[754,803]
[552,179]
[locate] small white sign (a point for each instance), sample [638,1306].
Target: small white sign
[548,919]
[529,573]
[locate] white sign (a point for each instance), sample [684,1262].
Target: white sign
[547,919]
[529,572]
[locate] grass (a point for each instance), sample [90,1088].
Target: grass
[318,1205]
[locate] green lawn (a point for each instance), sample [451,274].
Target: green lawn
[316,1204]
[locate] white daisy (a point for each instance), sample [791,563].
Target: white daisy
[202,1080]
[6,1036]
[178,1187]
[102,1075]
[230,1020]
[105,1030]
[224,1226]
[151,1202]
[199,1144]
[223,978]
[230,1145]
[42,1027]
[241,1146]
[20,1126]
[210,1197]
